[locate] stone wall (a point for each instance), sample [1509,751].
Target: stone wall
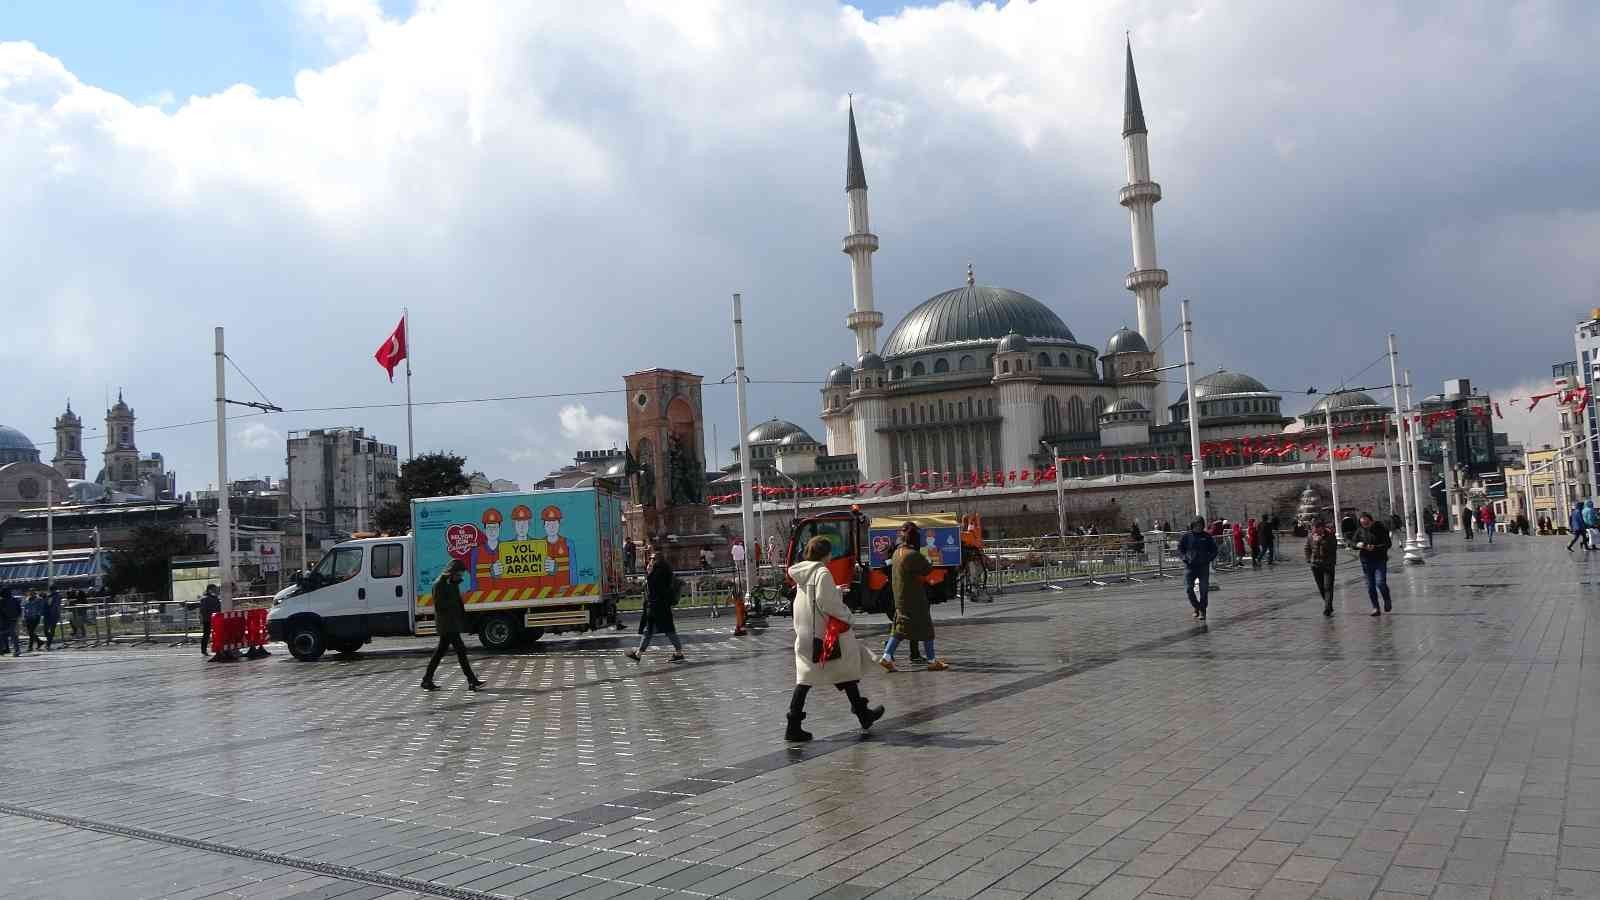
[1109,503]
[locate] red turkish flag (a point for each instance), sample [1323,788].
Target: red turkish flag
[393,350]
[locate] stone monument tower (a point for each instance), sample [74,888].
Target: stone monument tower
[666,447]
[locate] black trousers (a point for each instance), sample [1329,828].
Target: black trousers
[1324,577]
[852,690]
[34,641]
[205,636]
[446,641]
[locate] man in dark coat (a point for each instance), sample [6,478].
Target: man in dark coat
[10,614]
[660,596]
[1372,539]
[913,620]
[1322,553]
[210,604]
[1198,550]
[449,614]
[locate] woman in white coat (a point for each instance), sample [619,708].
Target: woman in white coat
[816,598]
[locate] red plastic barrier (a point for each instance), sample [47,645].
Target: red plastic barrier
[227,634]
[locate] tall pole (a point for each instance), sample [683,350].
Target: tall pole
[411,448]
[98,580]
[305,556]
[1414,537]
[746,514]
[1197,467]
[1333,465]
[50,533]
[1388,472]
[224,535]
[1416,476]
[1061,495]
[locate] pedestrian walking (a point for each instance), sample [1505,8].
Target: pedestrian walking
[913,620]
[630,556]
[826,650]
[1486,518]
[737,551]
[1579,531]
[1467,519]
[32,615]
[1347,527]
[1372,540]
[10,613]
[660,596]
[210,605]
[1591,524]
[1322,554]
[52,618]
[1198,550]
[1252,533]
[76,615]
[708,560]
[1238,545]
[1269,539]
[449,614]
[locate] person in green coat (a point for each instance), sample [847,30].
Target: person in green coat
[913,620]
[448,616]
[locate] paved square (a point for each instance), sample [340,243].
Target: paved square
[1089,743]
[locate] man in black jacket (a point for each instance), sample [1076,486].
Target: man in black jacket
[210,604]
[1198,550]
[1372,539]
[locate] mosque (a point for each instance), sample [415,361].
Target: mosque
[981,378]
[26,481]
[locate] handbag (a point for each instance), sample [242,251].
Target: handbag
[826,647]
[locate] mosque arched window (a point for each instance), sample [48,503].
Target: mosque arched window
[1052,415]
[1076,416]
[967,363]
[1005,367]
[899,372]
[918,368]
[1044,360]
[941,366]
[1098,408]
[1066,361]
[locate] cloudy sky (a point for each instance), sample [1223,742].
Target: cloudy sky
[565,192]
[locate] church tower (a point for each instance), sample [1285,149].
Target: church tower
[121,456]
[859,245]
[69,459]
[1140,196]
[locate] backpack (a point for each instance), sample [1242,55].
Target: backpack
[1589,518]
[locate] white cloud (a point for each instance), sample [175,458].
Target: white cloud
[1535,428]
[591,431]
[258,436]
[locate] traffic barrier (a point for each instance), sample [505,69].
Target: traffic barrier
[255,633]
[227,635]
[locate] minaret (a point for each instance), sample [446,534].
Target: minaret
[859,245]
[69,459]
[1140,196]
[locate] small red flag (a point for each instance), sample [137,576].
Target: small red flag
[393,350]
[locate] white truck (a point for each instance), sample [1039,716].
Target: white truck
[537,562]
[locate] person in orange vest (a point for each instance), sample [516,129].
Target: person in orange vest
[558,555]
[485,566]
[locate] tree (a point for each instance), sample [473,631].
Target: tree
[428,475]
[145,564]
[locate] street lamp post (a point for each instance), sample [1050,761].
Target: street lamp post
[1061,492]
[1413,542]
[1416,471]
[1333,464]
[1198,463]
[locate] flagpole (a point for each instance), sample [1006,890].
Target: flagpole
[411,450]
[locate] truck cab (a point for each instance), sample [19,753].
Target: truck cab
[361,589]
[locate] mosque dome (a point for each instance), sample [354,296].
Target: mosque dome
[1223,383]
[796,439]
[971,314]
[1012,343]
[774,430]
[15,447]
[1125,405]
[870,362]
[1351,400]
[840,375]
[1126,341]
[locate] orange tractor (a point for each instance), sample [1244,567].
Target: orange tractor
[862,548]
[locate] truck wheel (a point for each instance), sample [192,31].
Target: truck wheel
[347,648]
[305,641]
[499,632]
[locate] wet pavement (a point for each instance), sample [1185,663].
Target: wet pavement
[1089,743]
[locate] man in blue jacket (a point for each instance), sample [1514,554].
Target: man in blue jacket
[1578,529]
[1198,550]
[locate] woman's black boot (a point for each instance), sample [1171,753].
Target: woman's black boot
[796,734]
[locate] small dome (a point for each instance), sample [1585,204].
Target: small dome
[870,362]
[798,439]
[1126,341]
[774,430]
[1351,400]
[840,375]
[1012,343]
[1125,405]
[1223,383]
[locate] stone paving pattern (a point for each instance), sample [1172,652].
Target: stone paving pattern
[1094,744]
